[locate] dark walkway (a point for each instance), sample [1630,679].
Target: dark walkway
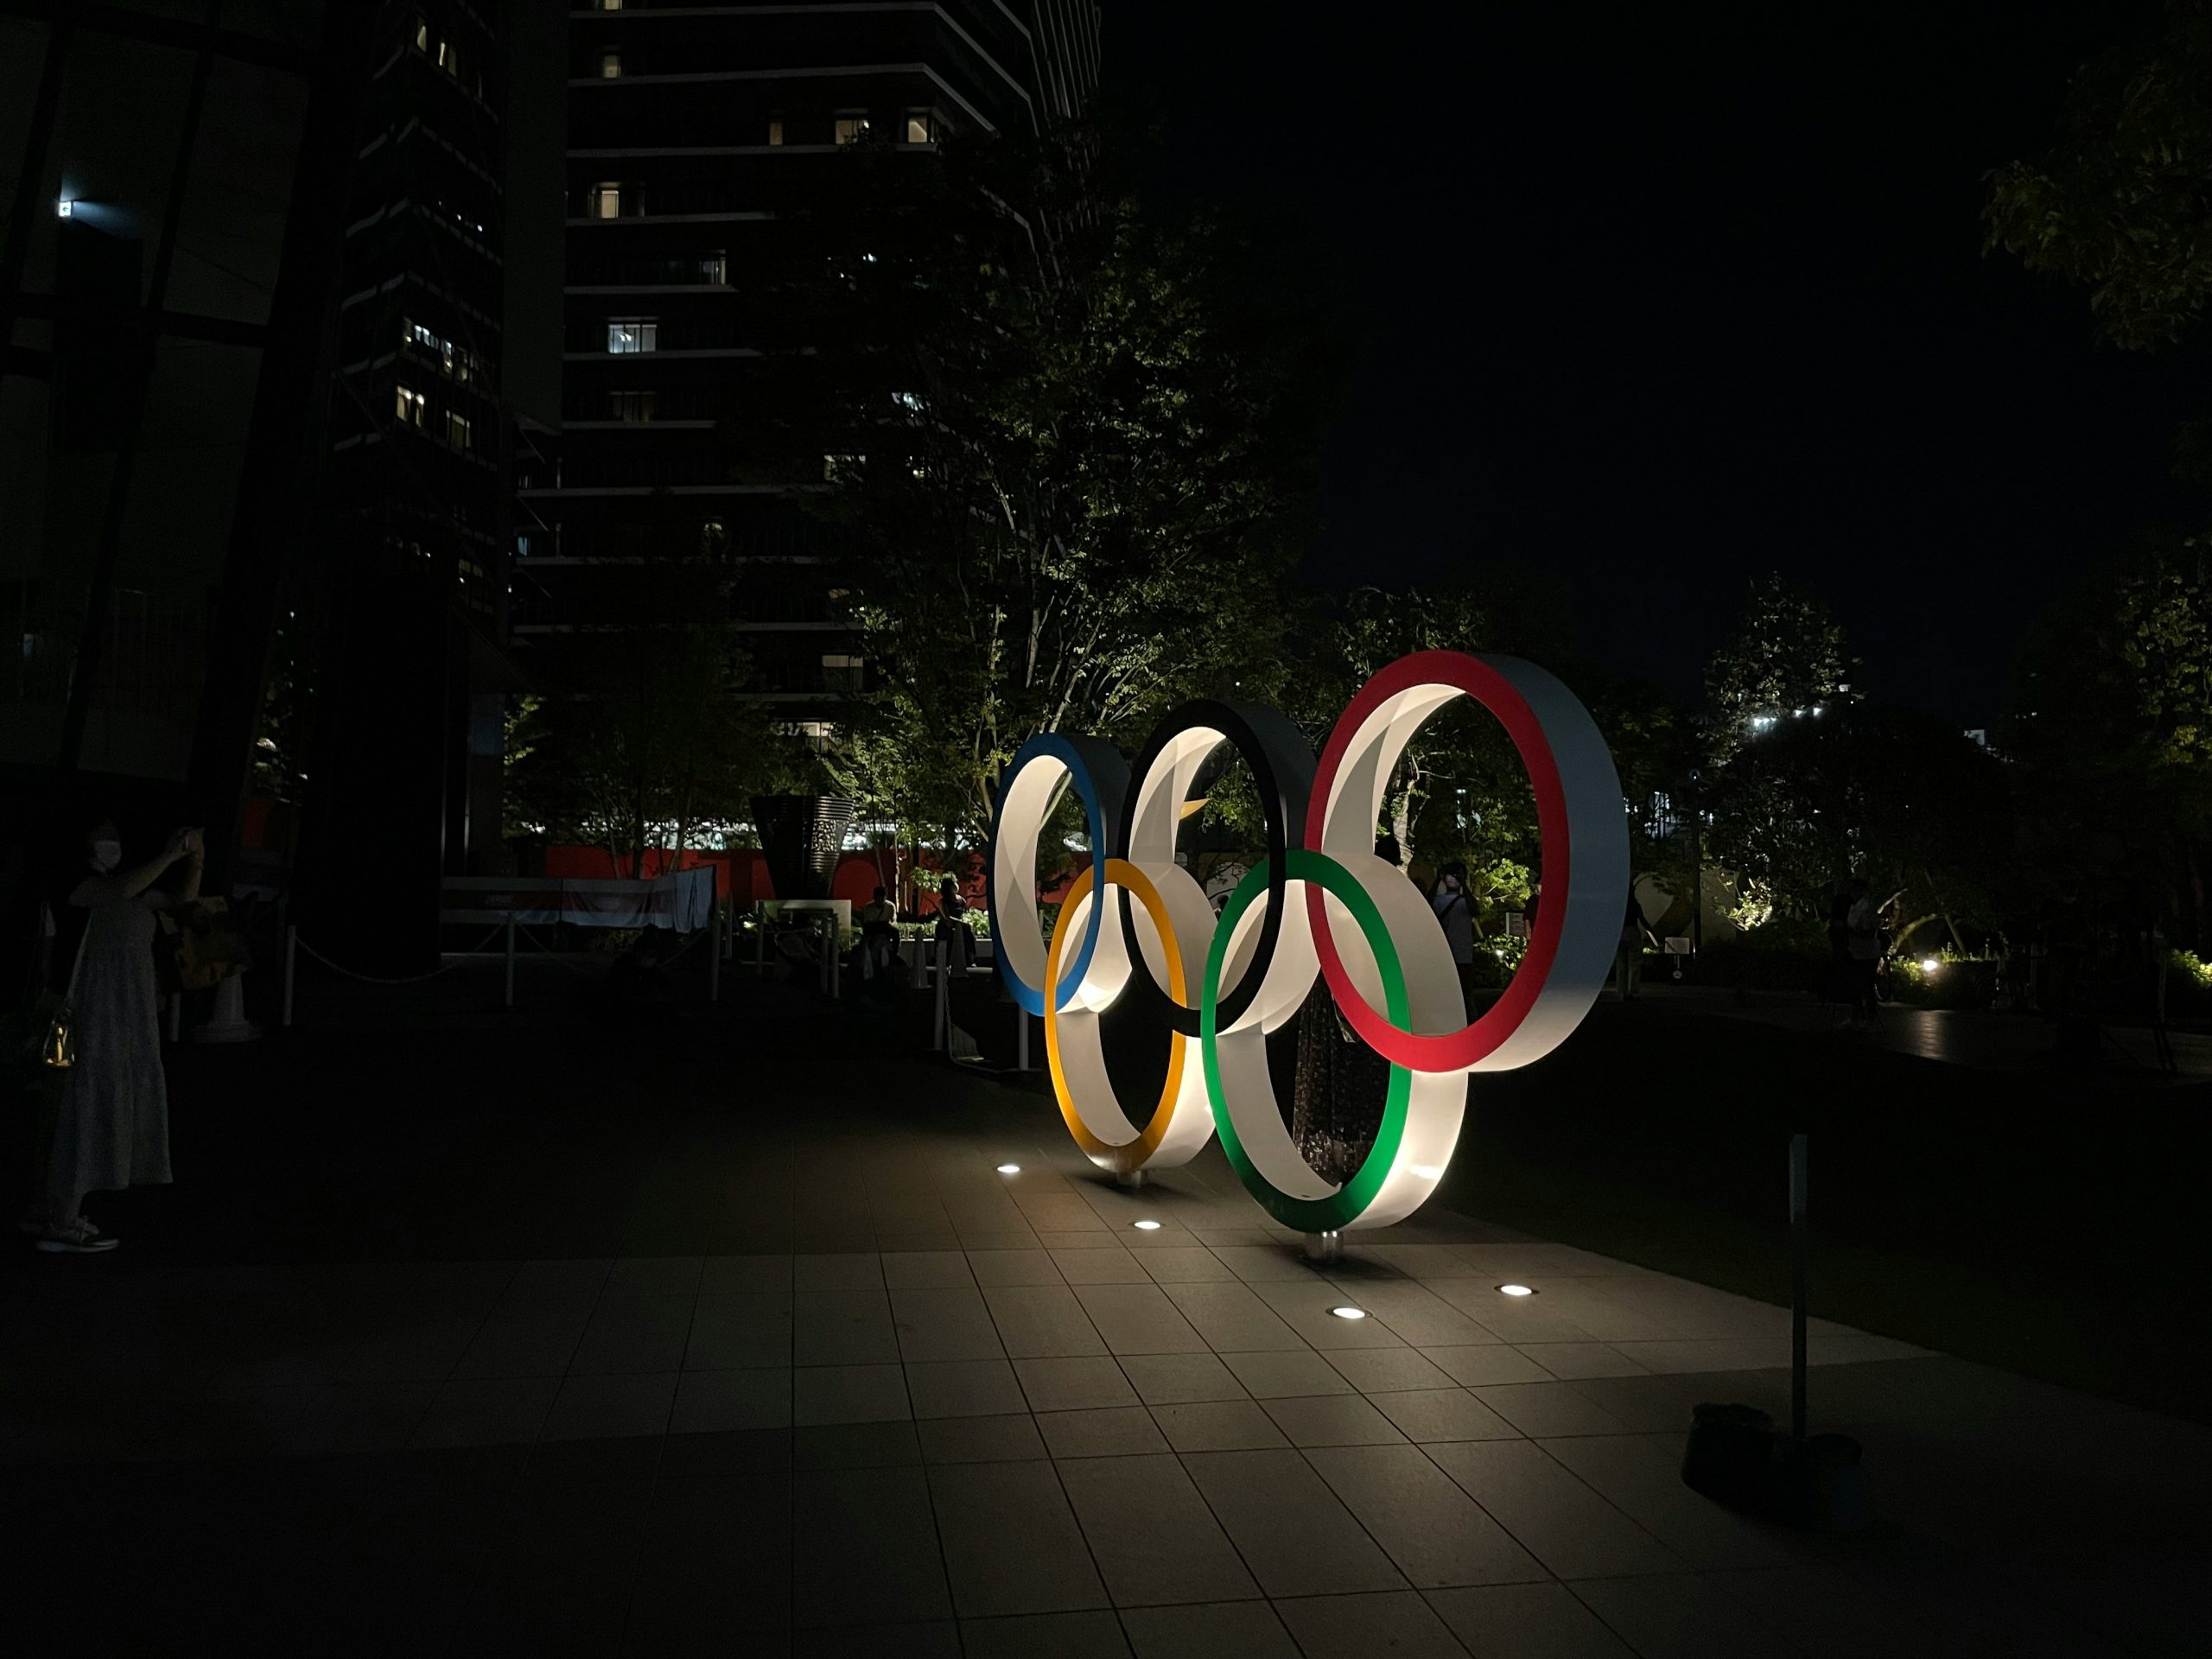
[727,1335]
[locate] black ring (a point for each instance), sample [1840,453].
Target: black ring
[1281,762]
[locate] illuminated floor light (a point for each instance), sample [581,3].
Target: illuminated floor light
[1009,1169]
[1929,964]
[1349,1313]
[1515,1290]
[1147,1226]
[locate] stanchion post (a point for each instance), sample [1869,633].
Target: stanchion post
[939,1008]
[715,953]
[760,945]
[830,964]
[176,1015]
[291,958]
[1797,1288]
[1020,1038]
[511,960]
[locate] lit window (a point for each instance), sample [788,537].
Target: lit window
[851,129]
[450,59]
[715,268]
[921,127]
[840,672]
[605,201]
[411,404]
[607,5]
[422,36]
[633,335]
[457,430]
[775,130]
[610,66]
[633,405]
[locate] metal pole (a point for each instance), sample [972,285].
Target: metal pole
[760,945]
[715,953]
[1021,1039]
[510,959]
[830,966]
[1797,1226]
[14,250]
[938,1006]
[291,951]
[176,1015]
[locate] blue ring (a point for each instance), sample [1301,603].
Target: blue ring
[1097,769]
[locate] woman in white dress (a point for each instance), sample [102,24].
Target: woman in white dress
[112,1122]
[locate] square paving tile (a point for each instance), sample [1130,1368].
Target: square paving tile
[943,1323]
[1354,1627]
[742,1331]
[1643,1480]
[1230,1630]
[1110,1432]
[1558,1519]
[709,1402]
[1388,1370]
[1013,1268]
[848,1271]
[1433,1532]
[1540,1409]
[1231,1317]
[653,1275]
[1217,1426]
[635,1333]
[1486,1363]
[844,1327]
[1571,1361]
[980,1440]
[1525,1621]
[1042,1321]
[849,1394]
[1136,1318]
[1096,1266]
[596,1407]
[1154,1537]
[1184,1264]
[964,1388]
[856,1445]
[1427,1414]
[864,1549]
[926,1269]
[1171,1379]
[1332,1420]
[1011,1543]
[1276,1374]
[1063,1636]
[487,1411]
[1293,1532]
[531,1341]
[1073,1384]
[729,1276]
[1679,1616]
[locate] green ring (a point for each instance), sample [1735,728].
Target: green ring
[1348,1202]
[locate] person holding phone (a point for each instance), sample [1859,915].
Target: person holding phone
[111,1128]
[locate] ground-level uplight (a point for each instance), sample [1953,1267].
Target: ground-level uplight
[1349,1313]
[1929,964]
[1515,1290]
[1009,1169]
[1145,1226]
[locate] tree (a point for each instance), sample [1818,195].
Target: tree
[1783,660]
[2121,203]
[653,740]
[1072,476]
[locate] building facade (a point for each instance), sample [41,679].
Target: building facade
[698,138]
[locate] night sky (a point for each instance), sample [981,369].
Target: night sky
[1658,298]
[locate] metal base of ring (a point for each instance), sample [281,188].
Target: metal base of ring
[1324,1247]
[1131,1179]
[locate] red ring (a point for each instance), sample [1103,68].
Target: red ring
[1451,1050]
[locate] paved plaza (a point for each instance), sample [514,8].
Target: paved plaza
[820,1379]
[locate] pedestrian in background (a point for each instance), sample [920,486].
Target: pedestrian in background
[1449,901]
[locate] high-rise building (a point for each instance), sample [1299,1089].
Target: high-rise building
[697,136]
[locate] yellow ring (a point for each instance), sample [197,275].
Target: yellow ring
[1129,1155]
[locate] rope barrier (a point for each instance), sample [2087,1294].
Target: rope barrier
[553,956]
[410,979]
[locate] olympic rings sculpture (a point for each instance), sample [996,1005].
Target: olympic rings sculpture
[1221,984]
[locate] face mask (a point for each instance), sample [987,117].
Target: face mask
[106,854]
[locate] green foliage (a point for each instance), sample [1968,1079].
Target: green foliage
[1785,655]
[1080,475]
[280,738]
[2121,203]
[657,743]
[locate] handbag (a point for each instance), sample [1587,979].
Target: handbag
[51,1040]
